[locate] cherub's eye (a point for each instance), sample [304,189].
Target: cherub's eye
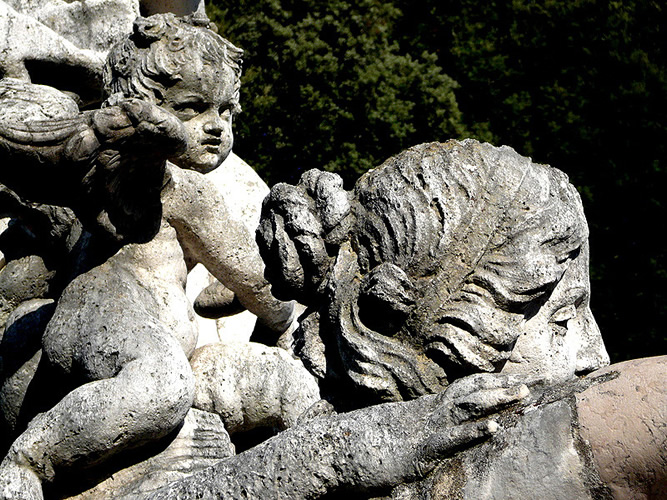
[229,108]
[189,109]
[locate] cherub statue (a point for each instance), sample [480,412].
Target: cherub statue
[123,329]
[447,261]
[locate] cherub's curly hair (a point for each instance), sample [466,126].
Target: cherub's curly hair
[146,63]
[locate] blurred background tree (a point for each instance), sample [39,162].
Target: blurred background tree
[327,85]
[578,84]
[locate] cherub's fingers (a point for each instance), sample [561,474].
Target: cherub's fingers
[139,111]
[134,122]
[487,401]
[112,123]
[152,121]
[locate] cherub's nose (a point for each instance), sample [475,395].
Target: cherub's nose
[214,126]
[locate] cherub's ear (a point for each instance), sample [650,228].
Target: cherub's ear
[386,298]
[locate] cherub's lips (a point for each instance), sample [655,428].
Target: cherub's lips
[212,141]
[212,144]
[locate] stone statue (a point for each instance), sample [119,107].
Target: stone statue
[447,260]
[64,43]
[122,330]
[458,269]
[446,336]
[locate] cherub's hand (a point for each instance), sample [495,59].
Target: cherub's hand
[150,128]
[459,416]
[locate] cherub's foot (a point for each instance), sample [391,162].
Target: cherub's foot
[19,483]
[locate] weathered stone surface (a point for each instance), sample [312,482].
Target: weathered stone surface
[446,260]
[201,442]
[22,279]
[64,43]
[243,192]
[89,161]
[226,249]
[198,279]
[24,103]
[365,451]
[252,385]
[20,353]
[31,51]
[537,452]
[123,328]
[625,423]
[118,327]
[88,24]
[538,459]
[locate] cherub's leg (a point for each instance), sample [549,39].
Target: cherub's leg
[145,400]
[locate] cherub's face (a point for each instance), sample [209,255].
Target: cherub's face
[203,99]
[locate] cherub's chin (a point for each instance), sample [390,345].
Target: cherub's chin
[202,164]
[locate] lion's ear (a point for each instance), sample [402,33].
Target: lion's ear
[386,298]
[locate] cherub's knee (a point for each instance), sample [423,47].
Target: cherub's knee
[160,391]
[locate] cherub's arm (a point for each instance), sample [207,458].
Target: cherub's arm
[209,234]
[106,164]
[371,449]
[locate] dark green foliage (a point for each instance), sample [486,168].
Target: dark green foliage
[327,85]
[578,84]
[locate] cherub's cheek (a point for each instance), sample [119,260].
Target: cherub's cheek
[227,139]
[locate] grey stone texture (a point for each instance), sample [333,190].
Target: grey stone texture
[21,353]
[89,24]
[217,307]
[448,259]
[252,386]
[64,43]
[366,451]
[118,343]
[199,442]
[32,51]
[444,339]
